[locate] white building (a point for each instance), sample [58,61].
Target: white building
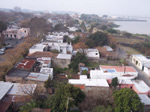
[89,82]
[60,47]
[92,53]
[45,62]
[43,76]
[16,89]
[72,29]
[17,33]
[54,38]
[22,89]
[141,62]
[108,48]
[37,48]
[110,72]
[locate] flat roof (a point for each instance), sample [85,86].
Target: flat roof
[38,46]
[141,57]
[26,64]
[144,99]
[90,82]
[22,89]
[4,88]
[37,77]
[141,86]
[125,81]
[14,72]
[108,48]
[64,56]
[118,68]
[91,50]
[43,54]
[46,70]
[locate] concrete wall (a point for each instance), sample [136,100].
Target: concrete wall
[137,62]
[62,63]
[13,79]
[147,71]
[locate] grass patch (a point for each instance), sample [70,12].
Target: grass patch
[93,64]
[129,50]
[128,40]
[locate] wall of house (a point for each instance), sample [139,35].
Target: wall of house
[95,96]
[62,63]
[138,92]
[13,79]
[93,55]
[147,71]
[126,86]
[137,62]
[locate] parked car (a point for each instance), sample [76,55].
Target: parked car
[3,49]
[9,46]
[1,52]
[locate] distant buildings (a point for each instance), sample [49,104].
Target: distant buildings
[17,33]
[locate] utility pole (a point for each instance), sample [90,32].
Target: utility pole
[69,98]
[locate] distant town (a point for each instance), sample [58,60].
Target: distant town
[70,62]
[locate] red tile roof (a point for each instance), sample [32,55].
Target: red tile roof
[26,64]
[80,86]
[119,68]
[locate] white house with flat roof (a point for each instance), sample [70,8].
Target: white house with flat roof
[139,60]
[89,82]
[108,48]
[140,87]
[110,72]
[37,48]
[15,89]
[92,53]
[64,56]
[142,62]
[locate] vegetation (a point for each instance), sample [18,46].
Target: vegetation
[84,72]
[38,26]
[79,58]
[83,26]
[101,108]
[115,82]
[3,26]
[66,96]
[60,27]
[112,31]
[16,54]
[126,100]
[97,39]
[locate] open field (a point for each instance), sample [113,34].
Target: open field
[129,50]
[128,40]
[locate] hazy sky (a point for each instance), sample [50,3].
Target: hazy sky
[111,7]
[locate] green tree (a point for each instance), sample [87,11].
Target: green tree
[126,100]
[101,108]
[84,72]
[97,39]
[28,106]
[112,31]
[38,26]
[79,58]
[115,82]
[83,26]
[3,26]
[49,83]
[66,96]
